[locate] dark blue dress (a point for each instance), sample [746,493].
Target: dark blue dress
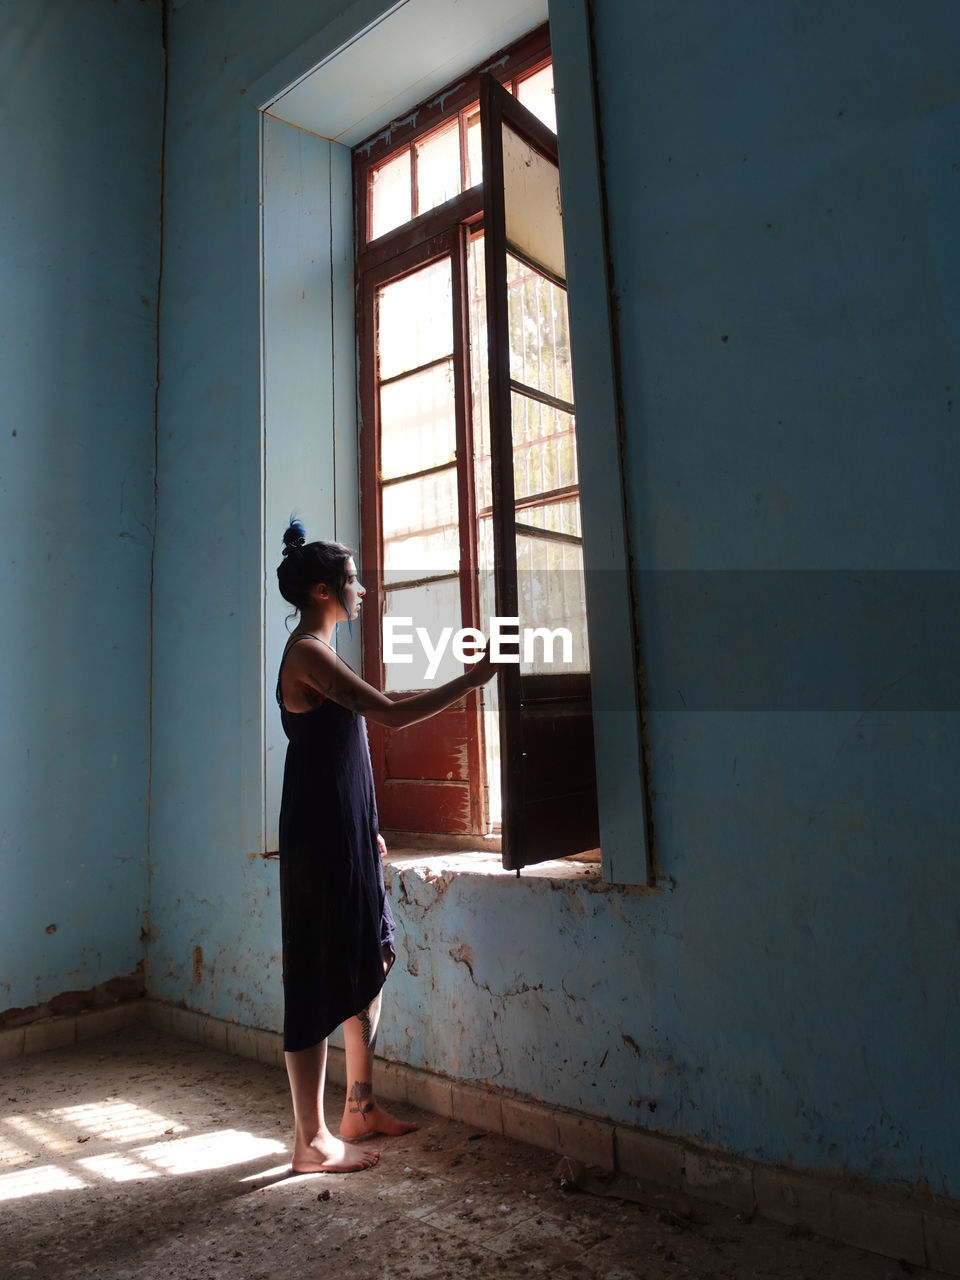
[337,924]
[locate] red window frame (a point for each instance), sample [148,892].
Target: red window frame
[412,769]
[427,777]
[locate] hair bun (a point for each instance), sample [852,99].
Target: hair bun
[295,537]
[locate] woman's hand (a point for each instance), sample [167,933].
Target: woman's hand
[383,845]
[482,670]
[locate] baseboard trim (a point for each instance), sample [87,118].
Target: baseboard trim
[60,1031]
[905,1227]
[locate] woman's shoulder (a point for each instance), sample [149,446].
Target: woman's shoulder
[303,656]
[308,640]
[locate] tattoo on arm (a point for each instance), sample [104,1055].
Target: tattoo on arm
[350,700]
[361,1102]
[331,687]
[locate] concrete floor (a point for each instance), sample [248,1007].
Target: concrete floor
[141,1156]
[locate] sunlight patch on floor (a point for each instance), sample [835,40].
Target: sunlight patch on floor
[154,1146]
[54,1142]
[115,1119]
[11,1154]
[209,1151]
[117,1168]
[37,1182]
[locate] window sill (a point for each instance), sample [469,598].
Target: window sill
[435,865]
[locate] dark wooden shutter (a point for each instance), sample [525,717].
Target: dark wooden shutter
[546,723]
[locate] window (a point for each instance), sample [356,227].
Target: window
[469,471]
[313,110]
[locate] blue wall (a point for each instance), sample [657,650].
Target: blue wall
[80,119]
[784,197]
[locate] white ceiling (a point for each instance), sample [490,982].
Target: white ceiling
[399,61]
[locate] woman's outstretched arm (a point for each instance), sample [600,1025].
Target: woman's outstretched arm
[317,673]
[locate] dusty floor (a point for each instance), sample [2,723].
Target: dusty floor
[143,1156]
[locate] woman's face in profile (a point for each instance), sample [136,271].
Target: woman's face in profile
[353,591]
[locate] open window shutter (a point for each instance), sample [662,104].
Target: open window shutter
[546,723]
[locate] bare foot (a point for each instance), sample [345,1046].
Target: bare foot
[374,1120]
[330,1155]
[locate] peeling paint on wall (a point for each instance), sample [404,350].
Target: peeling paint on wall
[113,991]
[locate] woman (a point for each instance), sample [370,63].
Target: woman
[337,925]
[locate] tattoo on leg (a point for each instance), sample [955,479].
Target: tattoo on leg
[366,1028]
[361,1103]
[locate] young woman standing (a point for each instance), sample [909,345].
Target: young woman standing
[337,924]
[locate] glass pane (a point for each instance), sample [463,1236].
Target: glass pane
[539,331]
[438,167]
[474,174]
[544,447]
[415,319]
[434,606]
[420,526]
[531,188]
[551,592]
[558,517]
[477,303]
[536,94]
[490,693]
[418,425]
[487,589]
[390,195]
[490,701]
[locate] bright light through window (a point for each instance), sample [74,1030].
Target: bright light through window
[56,1143]
[433,169]
[37,1182]
[119,1121]
[536,94]
[154,1146]
[208,1151]
[117,1168]
[11,1154]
